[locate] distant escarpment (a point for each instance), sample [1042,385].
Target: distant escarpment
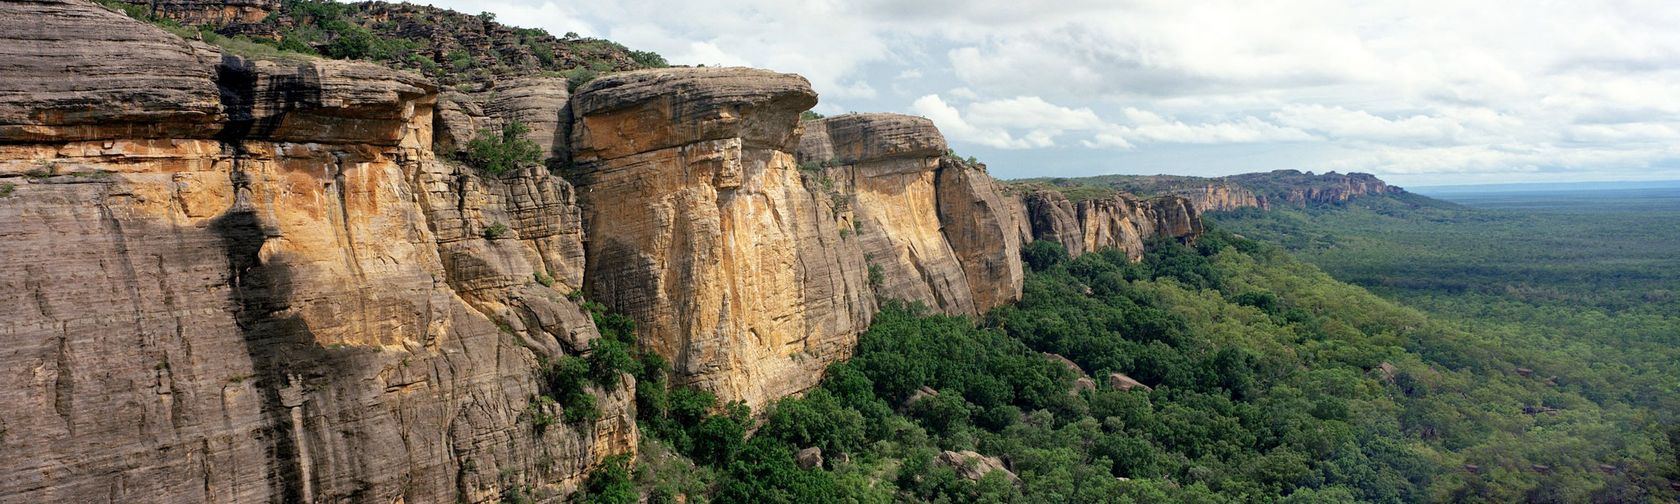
[1118,221]
[1249,190]
[270,280]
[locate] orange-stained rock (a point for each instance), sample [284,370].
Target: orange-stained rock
[704,231]
[252,281]
[937,228]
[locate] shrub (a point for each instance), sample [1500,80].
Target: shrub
[1041,255]
[501,153]
[610,482]
[495,231]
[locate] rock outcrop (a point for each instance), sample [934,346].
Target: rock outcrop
[980,224]
[1305,188]
[885,168]
[972,465]
[703,230]
[217,12]
[248,280]
[1220,197]
[1120,221]
[230,280]
[936,228]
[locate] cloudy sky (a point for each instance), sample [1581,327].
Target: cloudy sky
[1420,92]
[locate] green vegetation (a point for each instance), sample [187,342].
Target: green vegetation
[809,115]
[305,29]
[1575,289]
[6,189]
[543,278]
[1074,190]
[495,231]
[498,153]
[1271,382]
[237,45]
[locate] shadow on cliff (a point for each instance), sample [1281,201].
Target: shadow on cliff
[288,363]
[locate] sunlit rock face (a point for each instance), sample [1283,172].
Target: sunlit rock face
[703,229]
[1119,221]
[233,280]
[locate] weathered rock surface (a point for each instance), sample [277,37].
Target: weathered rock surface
[885,168]
[1120,221]
[809,458]
[220,12]
[537,102]
[972,465]
[980,224]
[1220,197]
[703,230]
[937,228]
[244,281]
[1123,382]
[169,93]
[1304,188]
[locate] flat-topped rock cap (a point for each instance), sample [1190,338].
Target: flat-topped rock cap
[856,138]
[695,90]
[642,111]
[73,70]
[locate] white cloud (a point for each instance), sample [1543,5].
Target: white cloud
[1012,123]
[1338,122]
[1143,126]
[1424,88]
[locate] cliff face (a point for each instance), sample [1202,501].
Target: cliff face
[246,281]
[1300,188]
[937,229]
[238,280]
[702,229]
[1119,221]
[1220,197]
[885,168]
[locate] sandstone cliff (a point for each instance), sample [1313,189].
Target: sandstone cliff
[703,230]
[1298,188]
[230,280]
[240,280]
[1119,221]
[936,228]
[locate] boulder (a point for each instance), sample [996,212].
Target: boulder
[1123,382]
[809,458]
[972,465]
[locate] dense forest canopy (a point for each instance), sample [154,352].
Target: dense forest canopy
[1263,380]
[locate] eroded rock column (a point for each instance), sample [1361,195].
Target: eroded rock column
[703,230]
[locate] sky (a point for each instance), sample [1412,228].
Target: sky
[1420,92]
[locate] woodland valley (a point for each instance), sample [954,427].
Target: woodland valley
[309,251]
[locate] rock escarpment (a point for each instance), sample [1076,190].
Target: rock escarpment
[230,280]
[883,168]
[1219,197]
[702,229]
[1118,221]
[243,280]
[1305,188]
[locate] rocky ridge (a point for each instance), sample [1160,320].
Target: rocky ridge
[1249,190]
[256,280]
